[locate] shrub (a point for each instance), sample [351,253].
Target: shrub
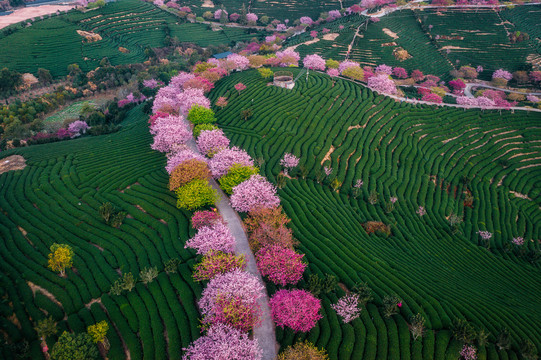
[364,291]
[223,342]
[377,227]
[417,326]
[98,331]
[528,350]
[297,309]
[74,346]
[391,305]
[267,226]
[303,351]
[354,72]
[171,266]
[281,265]
[195,195]
[317,285]
[254,193]
[45,328]
[463,331]
[217,262]
[265,72]
[205,218]
[214,237]
[198,128]
[188,171]
[210,142]
[201,115]
[148,275]
[235,175]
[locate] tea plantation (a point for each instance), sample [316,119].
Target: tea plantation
[53,43]
[66,183]
[425,156]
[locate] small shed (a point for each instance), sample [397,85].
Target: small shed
[222,55]
[284,79]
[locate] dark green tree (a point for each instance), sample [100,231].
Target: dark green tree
[74,346]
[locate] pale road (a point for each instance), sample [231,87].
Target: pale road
[264,333]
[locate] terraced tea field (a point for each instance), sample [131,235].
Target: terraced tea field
[425,156]
[478,37]
[132,24]
[66,183]
[376,43]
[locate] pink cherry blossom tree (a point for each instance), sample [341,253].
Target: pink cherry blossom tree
[400,73]
[348,307]
[296,309]
[169,132]
[215,237]
[179,156]
[254,193]
[191,97]
[287,58]
[384,69]
[241,62]
[205,218]
[314,62]
[209,142]
[289,161]
[240,87]
[381,83]
[223,160]
[281,265]
[222,342]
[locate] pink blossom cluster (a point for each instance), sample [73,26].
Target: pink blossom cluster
[421,211]
[433,98]
[533,98]
[384,69]
[469,352]
[223,160]
[287,58]
[237,283]
[205,218]
[346,65]
[166,100]
[240,87]
[256,192]
[241,62]
[348,307]
[281,265]
[218,14]
[177,81]
[306,20]
[327,170]
[333,73]
[334,14]
[481,102]
[151,83]
[169,132]
[191,97]
[519,241]
[457,84]
[199,82]
[502,74]
[485,235]
[214,237]
[232,310]
[209,142]
[313,34]
[222,342]
[179,156]
[296,309]
[281,27]
[234,17]
[314,62]
[251,17]
[381,83]
[370,4]
[358,183]
[289,161]
[77,128]
[400,73]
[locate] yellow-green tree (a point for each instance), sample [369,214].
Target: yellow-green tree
[98,333]
[60,258]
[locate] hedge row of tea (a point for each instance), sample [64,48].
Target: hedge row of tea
[56,198]
[425,156]
[54,44]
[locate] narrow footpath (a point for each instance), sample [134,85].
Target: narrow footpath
[264,333]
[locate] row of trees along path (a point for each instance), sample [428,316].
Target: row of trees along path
[264,333]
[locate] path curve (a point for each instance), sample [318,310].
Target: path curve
[265,332]
[415,101]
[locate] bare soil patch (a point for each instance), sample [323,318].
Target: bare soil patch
[331,36]
[328,155]
[89,36]
[11,163]
[304,43]
[390,33]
